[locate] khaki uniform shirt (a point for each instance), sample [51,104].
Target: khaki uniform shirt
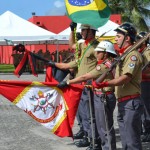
[88,61]
[132,64]
[99,70]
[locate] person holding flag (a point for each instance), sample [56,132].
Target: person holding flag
[85,61]
[105,54]
[127,88]
[85,57]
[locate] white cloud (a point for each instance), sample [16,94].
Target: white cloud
[59,4]
[58,9]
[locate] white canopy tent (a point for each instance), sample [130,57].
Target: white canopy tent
[108,28]
[16,29]
[63,37]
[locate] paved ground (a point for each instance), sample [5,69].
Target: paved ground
[18,131]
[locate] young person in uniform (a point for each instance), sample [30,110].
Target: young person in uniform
[144,49]
[127,89]
[84,62]
[105,54]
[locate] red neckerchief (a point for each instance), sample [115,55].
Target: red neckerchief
[87,41]
[121,51]
[99,62]
[141,50]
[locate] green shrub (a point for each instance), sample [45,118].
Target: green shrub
[4,68]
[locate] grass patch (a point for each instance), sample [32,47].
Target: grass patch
[6,68]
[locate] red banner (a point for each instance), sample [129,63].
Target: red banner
[52,107]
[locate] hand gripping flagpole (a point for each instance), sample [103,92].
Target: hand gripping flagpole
[103,99]
[77,47]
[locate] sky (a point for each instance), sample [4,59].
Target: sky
[24,8]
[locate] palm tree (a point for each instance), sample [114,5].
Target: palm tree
[134,11]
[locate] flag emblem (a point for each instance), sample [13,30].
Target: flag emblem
[80,2]
[85,11]
[52,107]
[44,104]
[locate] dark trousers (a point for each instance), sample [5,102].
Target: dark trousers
[101,110]
[129,121]
[84,112]
[79,119]
[145,95]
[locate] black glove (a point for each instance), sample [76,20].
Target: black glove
[89,82]
[73,25]
[51,63]
[62,84]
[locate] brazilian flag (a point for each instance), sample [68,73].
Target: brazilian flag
[93,12]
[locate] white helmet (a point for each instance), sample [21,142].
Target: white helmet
[86,26]
[106,46]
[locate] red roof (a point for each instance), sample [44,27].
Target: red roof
[116,18]
[55,24]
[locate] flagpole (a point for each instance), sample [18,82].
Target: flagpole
[46,46]
[57,50]
[91,118]
[103,96]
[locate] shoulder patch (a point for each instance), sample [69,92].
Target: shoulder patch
[133,58]
[108,64]
[98,67]
[131,65]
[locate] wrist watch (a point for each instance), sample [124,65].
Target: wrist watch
[67,82]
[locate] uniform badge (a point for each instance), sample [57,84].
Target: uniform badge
[131,65]
[133,58]
[98,67]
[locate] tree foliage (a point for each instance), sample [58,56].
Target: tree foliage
[134,11]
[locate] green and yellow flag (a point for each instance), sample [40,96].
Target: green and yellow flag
[92,12]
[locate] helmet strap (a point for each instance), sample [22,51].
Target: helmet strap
[87,34]
[104,55]
[123,40]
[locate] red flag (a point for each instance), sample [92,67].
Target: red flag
[28,57]
[52,107]
[54,74]
[49,75]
